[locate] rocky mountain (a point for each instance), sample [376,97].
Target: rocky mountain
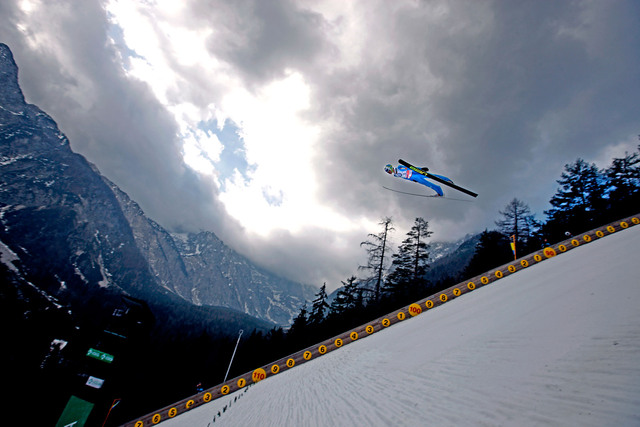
[66,229]
[447,260]
[201,269]
[438,250]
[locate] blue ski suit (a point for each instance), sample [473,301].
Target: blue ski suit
[408,174]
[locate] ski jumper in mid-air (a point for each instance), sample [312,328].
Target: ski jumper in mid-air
[422,176]
[408,174]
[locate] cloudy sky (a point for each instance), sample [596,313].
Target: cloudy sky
[269,122]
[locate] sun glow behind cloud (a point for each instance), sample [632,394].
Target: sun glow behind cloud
[278,189]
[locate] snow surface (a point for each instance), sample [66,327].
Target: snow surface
[557,344]
[7,256]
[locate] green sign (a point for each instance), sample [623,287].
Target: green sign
[75,413]
[100,355]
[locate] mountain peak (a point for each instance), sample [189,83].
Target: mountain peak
[10,92]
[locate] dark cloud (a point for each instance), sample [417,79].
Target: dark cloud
[497,95]
[261,39]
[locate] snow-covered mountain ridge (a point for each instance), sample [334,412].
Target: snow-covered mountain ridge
[440,249]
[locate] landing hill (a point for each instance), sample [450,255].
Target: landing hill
[557,343]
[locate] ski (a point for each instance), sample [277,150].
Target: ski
[435,196]
[435,178]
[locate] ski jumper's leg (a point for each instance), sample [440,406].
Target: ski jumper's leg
[443,177]
[422,180]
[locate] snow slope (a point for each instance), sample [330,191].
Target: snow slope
[555,344]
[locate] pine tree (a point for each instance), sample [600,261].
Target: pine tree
[624,186]
[300,323]
[578,201]
[410,263]
[319,307]
[492,250]
[377,250]
[348,297]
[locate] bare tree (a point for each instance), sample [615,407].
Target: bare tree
[376,248]
[517,221]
